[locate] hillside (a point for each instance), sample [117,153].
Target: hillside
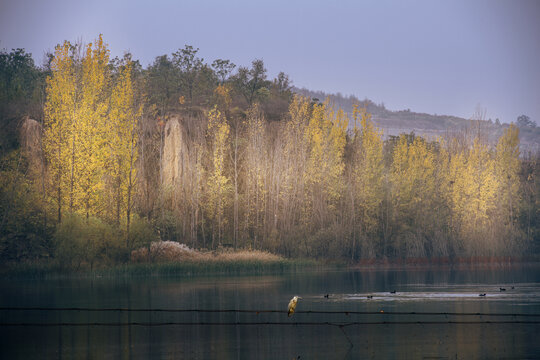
[427,125]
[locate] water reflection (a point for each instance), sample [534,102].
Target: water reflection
[416,291]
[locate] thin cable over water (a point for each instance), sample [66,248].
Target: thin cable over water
[315,323]
[382,312]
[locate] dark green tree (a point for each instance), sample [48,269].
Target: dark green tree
[190,67]
[523,121]
[223,68]
[21,93]
[24,231]
[251,82]
[161,84]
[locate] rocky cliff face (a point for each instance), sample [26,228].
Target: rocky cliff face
[30,135]
[175,158]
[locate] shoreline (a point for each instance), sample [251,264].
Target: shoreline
[160,269]
[195,268]
[460,263]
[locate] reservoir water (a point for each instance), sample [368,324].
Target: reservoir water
[346,314]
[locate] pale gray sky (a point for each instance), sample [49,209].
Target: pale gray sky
[443,57]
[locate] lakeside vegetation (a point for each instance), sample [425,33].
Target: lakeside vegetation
[119,156]
[216,267]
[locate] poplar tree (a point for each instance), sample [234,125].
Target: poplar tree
[256,158]
[507,168]
[368,179]
[218,183]
[90,155]
[91,132]
[123,143]
[326,139]
[412,179]
[290,162]
[473,197]
[60,111]
[75,126]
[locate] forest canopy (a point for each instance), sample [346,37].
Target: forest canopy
[100,156]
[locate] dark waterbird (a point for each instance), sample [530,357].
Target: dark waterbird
[327,296]
[502,289]
[370,296]
[482,294]
[393,292]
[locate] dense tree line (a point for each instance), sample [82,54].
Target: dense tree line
[214,155]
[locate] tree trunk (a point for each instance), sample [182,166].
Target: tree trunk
[72,175]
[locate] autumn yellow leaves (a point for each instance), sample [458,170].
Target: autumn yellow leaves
[310,184]
[91,133]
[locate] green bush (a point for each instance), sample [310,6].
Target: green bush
[329,242]
[141,233]
[86,241]
[25,233]
[169,225]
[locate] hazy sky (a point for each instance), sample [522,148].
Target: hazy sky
[442,57]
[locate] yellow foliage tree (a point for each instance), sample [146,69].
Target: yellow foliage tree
[75,126]
[255,174]
[473,197]
[222,95]
[413,193]
[367,182]
[507,167]
[123,143]
[90,137]
[59,121]
[323,176]
[218,184]
[323,179]
[90,155]
[289,165]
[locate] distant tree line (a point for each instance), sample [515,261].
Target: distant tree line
[255,167]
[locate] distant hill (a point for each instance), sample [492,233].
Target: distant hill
[426,125]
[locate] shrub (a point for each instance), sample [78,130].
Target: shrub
[141,233]
[79,240]
[25,233]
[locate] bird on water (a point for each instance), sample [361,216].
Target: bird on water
[292,305]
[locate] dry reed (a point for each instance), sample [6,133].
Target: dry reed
[170,251]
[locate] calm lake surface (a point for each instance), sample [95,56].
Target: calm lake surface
[364,336]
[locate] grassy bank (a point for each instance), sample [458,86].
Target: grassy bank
[50,270]
[445,262]
[232,265]
[215,267]
[168,258]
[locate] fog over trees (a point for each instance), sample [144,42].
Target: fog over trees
[212,154]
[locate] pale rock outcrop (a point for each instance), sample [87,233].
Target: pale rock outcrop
[175,154]
[31,136]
